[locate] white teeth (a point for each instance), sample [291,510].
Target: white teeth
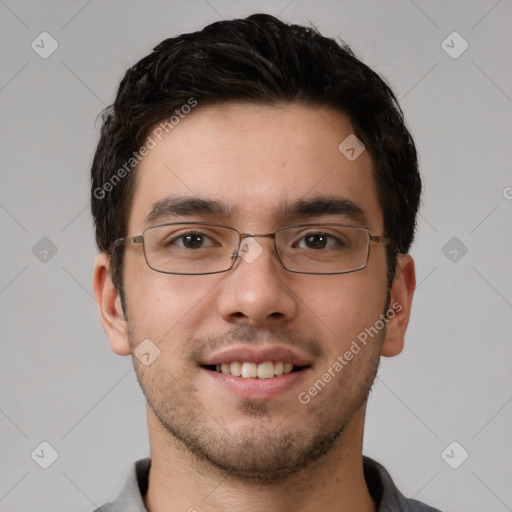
[266,370]
[236,368]
[247,370]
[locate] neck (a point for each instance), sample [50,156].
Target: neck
[335,482]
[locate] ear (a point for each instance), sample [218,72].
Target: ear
[402,292]
[109,306]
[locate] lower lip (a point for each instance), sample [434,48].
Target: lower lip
[258,389]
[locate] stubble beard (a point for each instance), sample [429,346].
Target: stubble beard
[264,452]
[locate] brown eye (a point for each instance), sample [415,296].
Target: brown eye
[316,241]
[193,241]
[190,240]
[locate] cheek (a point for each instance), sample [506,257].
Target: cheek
[159,305]
[344,306]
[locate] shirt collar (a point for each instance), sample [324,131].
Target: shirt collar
[380,484]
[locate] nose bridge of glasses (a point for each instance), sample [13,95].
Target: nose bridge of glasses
[244,236]
[256,235]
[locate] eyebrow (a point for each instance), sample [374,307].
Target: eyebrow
[185,206]
[300,209]
[322,206]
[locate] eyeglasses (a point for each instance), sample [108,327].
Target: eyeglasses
[191,248]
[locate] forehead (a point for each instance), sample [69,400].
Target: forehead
[255,167]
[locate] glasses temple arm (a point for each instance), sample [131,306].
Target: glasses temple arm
[129,240]
[379,239]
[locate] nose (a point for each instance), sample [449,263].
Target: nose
[256,290]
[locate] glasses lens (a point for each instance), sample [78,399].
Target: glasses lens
[323,249]
[190,248]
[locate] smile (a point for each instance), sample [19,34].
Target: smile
[259,371]
[250,370]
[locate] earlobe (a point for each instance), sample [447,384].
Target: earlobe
[402,292]
[109,306]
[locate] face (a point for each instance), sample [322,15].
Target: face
[258,162]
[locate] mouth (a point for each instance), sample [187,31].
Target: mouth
[251,370]
[257,372]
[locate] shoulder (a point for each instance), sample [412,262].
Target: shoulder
[386,494]
[108,507]
[130,499]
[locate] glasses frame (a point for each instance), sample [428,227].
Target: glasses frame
[139,239]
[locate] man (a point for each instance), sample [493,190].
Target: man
[255,192]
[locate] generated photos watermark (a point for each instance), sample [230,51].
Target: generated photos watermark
[157,134]
[304,397]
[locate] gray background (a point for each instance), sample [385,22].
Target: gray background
[60,383]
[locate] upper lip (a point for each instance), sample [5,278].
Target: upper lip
[256,354]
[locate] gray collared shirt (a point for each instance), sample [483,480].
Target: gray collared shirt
[379,481]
